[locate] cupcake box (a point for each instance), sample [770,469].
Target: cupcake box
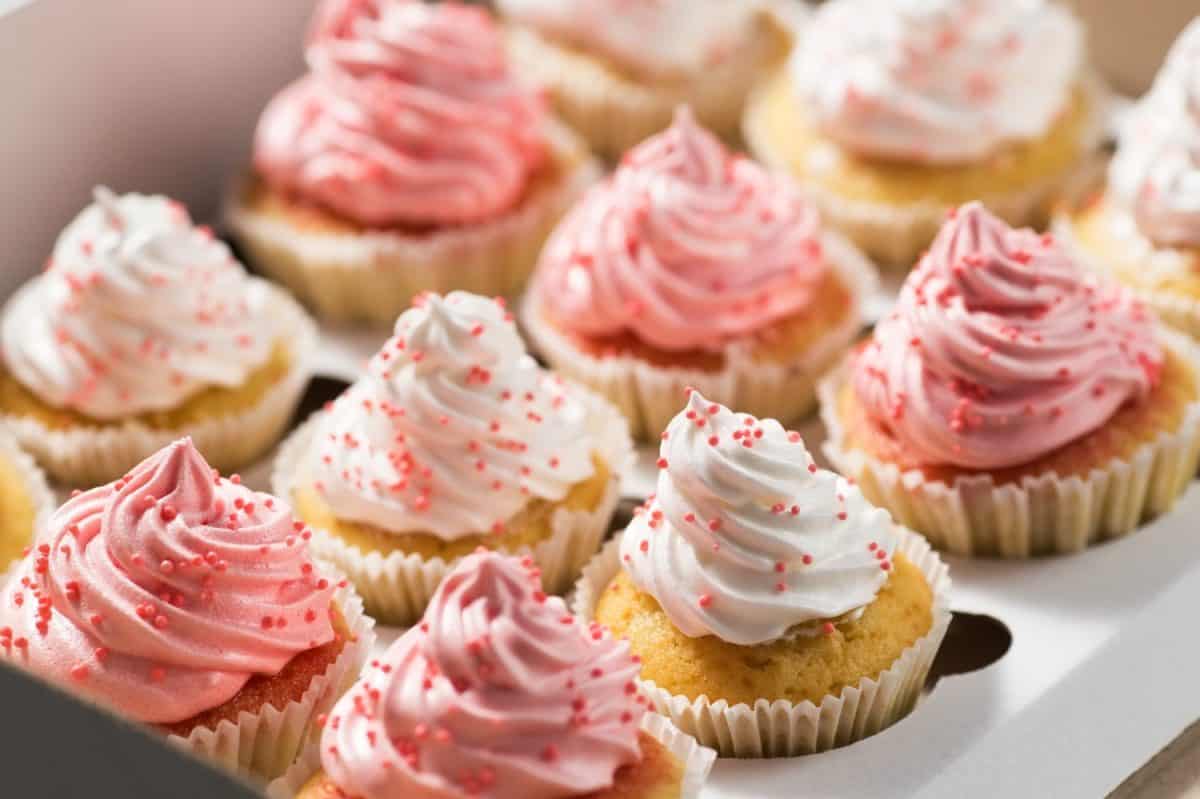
[1099,674]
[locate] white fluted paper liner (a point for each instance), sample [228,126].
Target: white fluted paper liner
[90,456]
[397,586]
[650,395]
[697,761]
[1042,514]
[33,481]
[896,235]
[373,276]
[779,728]
[615,111]
[263,745]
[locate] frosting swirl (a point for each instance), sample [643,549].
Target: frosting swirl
[409,116]
[499,691]
[1156,171]
[686,246]
[937,80]
[137,310]
[162,593]
[453,429]
[745,538]
[660,38]
[1002,349]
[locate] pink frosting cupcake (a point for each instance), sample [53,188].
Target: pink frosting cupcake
[694,266]
[499,691]
[1011,394]
[408,158]
[184,600]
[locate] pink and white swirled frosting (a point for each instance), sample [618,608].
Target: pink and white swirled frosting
[687,247]
[937,80]
[138,310]
[746,538]
[162,593]
[1156,171]
[498,692]
[1002,348]
[663,37]
[408,117]
[454,428]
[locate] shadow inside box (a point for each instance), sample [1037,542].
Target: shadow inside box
[320,390]
[973,641]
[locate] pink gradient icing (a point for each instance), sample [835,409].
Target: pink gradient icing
[409,116]
[1002,349]
[161,594]
[687,247]
[499,691]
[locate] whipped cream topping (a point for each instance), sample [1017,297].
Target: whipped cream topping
[410,116]
[1156,172]
[657,38]
[498,692]
[138,309]
[1003,348]
[687,246]
[746,538]
[937,80]
[454,428]
[161,594]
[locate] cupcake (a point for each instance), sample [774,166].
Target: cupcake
[1144,229]
[775,611]
[410,158]
[499,692]
[893,112]
[695,267]
[25,502]
[454,439]
[616,70]
[144,328]
[1014,403]
[187,602]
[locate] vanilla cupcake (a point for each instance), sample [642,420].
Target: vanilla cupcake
[894,111]
[1014,403]
[498,692]
[25,502]
[454,439]
[775,611]
[144,328]
[1144,228]
[616,70]
[410,158]
[185,601]
[695,267]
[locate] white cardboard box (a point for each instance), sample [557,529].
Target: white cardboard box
[162,96]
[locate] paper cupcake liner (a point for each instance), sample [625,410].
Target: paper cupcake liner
[89,456]
[1043,514]
[615,111]
[397,586]
[781,728]
[263,745]
[650,395]
[697,761]
[896,235]
[374,276]
[34,483]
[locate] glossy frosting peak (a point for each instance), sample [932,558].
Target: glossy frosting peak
[453,429]
[687,247]
[138,310]
[1156,172]
[937,80]
[1003,348]
[409,117]
[161,594]
[745,538]
[498,692]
